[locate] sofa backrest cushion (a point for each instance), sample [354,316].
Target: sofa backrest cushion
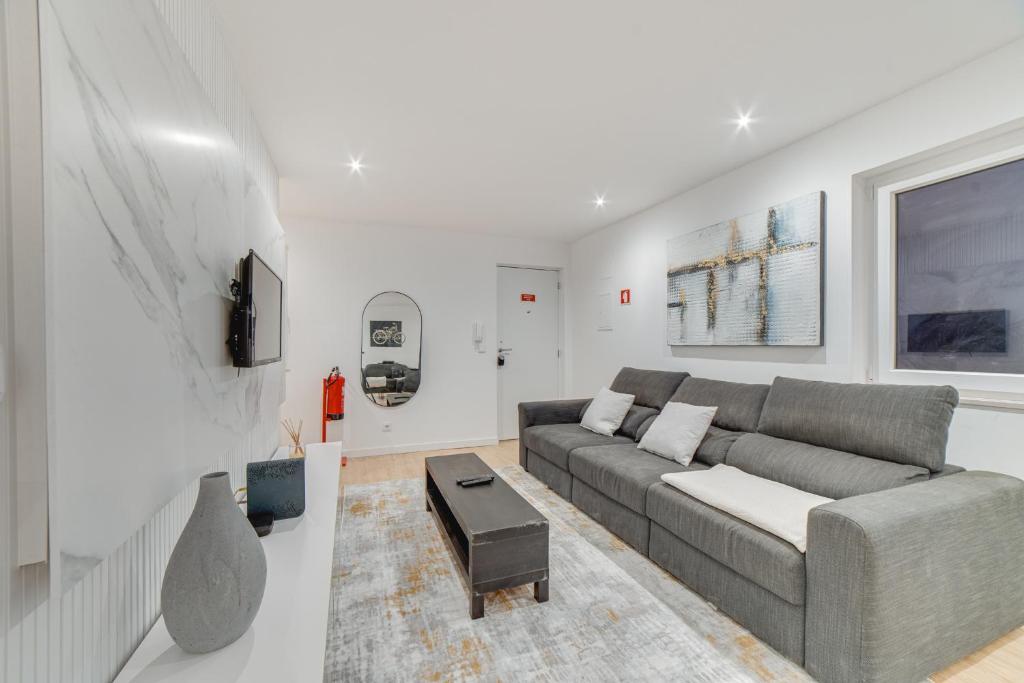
[739,405]
[823,471]
[635,419]
[902,424]
[652,388]
[644,426]
[716,445]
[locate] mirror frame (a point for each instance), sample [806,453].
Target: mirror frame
[362,352]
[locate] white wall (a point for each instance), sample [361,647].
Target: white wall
[978,96]
[334,269]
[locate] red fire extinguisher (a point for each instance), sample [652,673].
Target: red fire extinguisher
[333,400]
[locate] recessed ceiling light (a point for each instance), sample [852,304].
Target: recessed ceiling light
[599,201]
[355,165]
[743,121]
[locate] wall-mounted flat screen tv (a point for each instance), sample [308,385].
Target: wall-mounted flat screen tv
[255,336]
[961,332]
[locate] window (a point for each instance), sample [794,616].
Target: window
[939,247]
[959,273]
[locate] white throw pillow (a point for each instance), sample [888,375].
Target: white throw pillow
[677,432]
[606,412]
[778,509]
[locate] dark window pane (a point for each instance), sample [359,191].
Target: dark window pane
[960,273]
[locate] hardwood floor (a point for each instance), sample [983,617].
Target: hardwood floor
[1002,660]
[999,662]
[410,465]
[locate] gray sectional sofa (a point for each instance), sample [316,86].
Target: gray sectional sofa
[916,564]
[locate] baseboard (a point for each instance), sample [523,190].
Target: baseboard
[416,447]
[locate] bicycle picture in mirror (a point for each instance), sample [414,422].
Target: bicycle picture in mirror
[386,333]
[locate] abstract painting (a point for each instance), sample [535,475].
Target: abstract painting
[750,281]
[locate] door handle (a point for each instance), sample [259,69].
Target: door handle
[508,350]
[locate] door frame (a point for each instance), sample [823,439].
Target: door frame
[559,324]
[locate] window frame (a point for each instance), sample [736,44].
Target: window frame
[1002,390]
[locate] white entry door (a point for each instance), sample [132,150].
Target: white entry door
[528,354]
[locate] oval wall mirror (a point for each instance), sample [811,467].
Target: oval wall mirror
[392,332]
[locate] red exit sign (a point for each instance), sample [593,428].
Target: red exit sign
[527,297]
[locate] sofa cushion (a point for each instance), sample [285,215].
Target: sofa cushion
[834,474]
[903,424]
[947,470]
[678,431]
[716,445]
[652,388]
[739,405]
[622,472]
[776,508]
[555,442]
[711,450]
[645,426]
[605,413]
[635,419]
[767,560]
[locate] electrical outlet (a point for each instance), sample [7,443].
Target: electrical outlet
[386,427]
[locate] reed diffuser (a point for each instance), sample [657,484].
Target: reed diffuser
[295,449]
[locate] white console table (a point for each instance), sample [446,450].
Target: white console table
[286,642]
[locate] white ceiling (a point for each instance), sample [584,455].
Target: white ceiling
[508,117]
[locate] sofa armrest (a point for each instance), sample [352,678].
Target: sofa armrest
[547,413]
[903,582]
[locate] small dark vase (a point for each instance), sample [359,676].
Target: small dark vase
[215,578]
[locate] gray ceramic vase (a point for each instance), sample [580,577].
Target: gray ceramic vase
[214,581]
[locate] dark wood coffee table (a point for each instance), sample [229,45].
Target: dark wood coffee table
[498,539]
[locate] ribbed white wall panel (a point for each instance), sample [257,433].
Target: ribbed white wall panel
[197,29]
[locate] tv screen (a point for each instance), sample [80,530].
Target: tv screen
[266,292]
[257,318]
[962,332]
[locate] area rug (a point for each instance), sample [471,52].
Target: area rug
[400,612]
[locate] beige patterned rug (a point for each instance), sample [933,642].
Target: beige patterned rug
[400,612]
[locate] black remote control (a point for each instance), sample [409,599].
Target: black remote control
[475,481]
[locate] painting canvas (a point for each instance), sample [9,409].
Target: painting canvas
[750,281]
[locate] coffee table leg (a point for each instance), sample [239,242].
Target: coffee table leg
[476,606]
[540,591]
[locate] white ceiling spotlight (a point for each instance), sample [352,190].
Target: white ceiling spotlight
[355,165]
[743,121]
[599,201]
